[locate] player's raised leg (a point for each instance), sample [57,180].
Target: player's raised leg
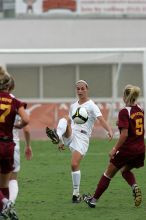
[63,129]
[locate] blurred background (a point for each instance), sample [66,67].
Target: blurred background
[47,45]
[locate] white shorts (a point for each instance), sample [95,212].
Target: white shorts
[16,158]
[77,142]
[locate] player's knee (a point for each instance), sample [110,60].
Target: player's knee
[74,165]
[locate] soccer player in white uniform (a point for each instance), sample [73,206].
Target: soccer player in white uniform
[76,136]
[13,182]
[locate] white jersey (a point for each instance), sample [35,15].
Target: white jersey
[16,139]
[93,112]
[16,130]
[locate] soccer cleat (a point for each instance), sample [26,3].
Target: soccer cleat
[8,211]
[88,199]
[13,215]
[137,195]
[52,134]
[76,199]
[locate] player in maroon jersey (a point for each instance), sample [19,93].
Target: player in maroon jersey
[9,107]
[13,182]
[129,150]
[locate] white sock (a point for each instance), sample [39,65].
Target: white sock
[134,185]
[61,128]
[13,190]
[76,177]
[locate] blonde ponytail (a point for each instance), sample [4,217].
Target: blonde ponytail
[4,79]
[131,94]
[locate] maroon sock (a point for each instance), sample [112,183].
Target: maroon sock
[4,193]
[101,187]
[129,177]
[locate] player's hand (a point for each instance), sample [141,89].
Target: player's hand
[28,153]
[112,153]
[110,135]
[61,147]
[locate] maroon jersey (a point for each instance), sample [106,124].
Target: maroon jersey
[9,106]
[132,118]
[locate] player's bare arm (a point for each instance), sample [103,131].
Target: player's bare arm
[105,125]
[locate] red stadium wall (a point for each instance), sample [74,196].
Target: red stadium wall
[42,115]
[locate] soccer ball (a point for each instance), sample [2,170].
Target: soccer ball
[80,116]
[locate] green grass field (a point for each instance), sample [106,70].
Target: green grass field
[46,187]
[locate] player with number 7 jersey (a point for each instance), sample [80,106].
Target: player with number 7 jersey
[9,107]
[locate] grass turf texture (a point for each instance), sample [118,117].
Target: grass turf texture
[46,187]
